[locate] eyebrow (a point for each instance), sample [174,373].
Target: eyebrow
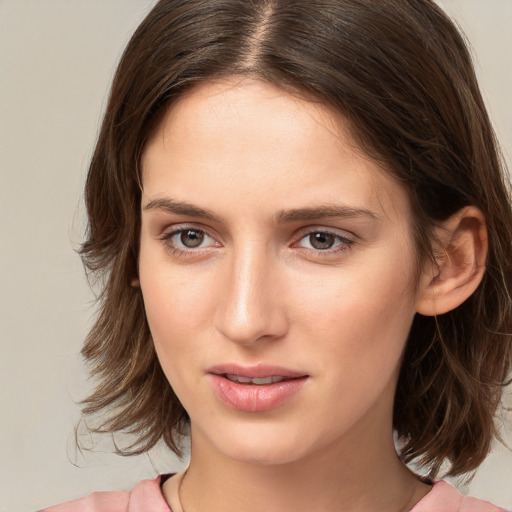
[180,208]
[323,212]
[291,215]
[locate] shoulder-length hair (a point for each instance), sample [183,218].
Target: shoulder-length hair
[400,73]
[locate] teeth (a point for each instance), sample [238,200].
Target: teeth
[239,378]
[255,380]
[263,380]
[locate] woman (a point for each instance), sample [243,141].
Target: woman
[305,233]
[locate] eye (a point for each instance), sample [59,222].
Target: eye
[190,238]
[187,239]
[324,241]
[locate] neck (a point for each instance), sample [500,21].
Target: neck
[372,480]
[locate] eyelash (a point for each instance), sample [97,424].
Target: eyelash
[344,242]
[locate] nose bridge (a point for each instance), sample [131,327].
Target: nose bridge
[248,309]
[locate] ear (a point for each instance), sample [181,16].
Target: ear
[460,250]
[135,282]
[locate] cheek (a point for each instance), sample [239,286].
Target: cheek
[356,299]
[164,295]
[175,296]
[172,311]
[362,315]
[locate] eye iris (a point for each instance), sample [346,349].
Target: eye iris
[191,238]
[321,240]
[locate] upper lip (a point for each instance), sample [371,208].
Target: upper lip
[255,371]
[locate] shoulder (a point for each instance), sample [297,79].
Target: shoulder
[444,497]
[146,495]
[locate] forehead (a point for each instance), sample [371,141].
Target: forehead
[267,113]
[249,137]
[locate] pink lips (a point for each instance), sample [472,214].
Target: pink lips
[255,397]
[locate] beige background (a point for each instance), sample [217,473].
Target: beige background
[56,62]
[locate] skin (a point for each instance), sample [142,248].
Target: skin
[256,291]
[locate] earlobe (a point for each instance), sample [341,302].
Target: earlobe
[460,252]
[135,282]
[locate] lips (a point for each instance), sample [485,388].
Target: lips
[255,389]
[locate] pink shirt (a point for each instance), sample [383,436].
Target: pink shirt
[147,496]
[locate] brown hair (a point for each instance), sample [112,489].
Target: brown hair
[400,73]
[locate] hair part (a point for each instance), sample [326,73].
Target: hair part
[400,73]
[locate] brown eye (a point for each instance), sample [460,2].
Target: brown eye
[188,241]
[325,242]
[191,238]
[322,241]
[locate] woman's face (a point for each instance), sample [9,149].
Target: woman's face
[278,272]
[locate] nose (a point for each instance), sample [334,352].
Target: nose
[251,306]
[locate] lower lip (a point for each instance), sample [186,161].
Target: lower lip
[252,397]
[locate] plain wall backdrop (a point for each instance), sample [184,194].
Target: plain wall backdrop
[56,62]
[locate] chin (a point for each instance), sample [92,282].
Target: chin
[262,455]
[258,445]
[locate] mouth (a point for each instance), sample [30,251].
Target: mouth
[258,381]
[255,374]
[255,389]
